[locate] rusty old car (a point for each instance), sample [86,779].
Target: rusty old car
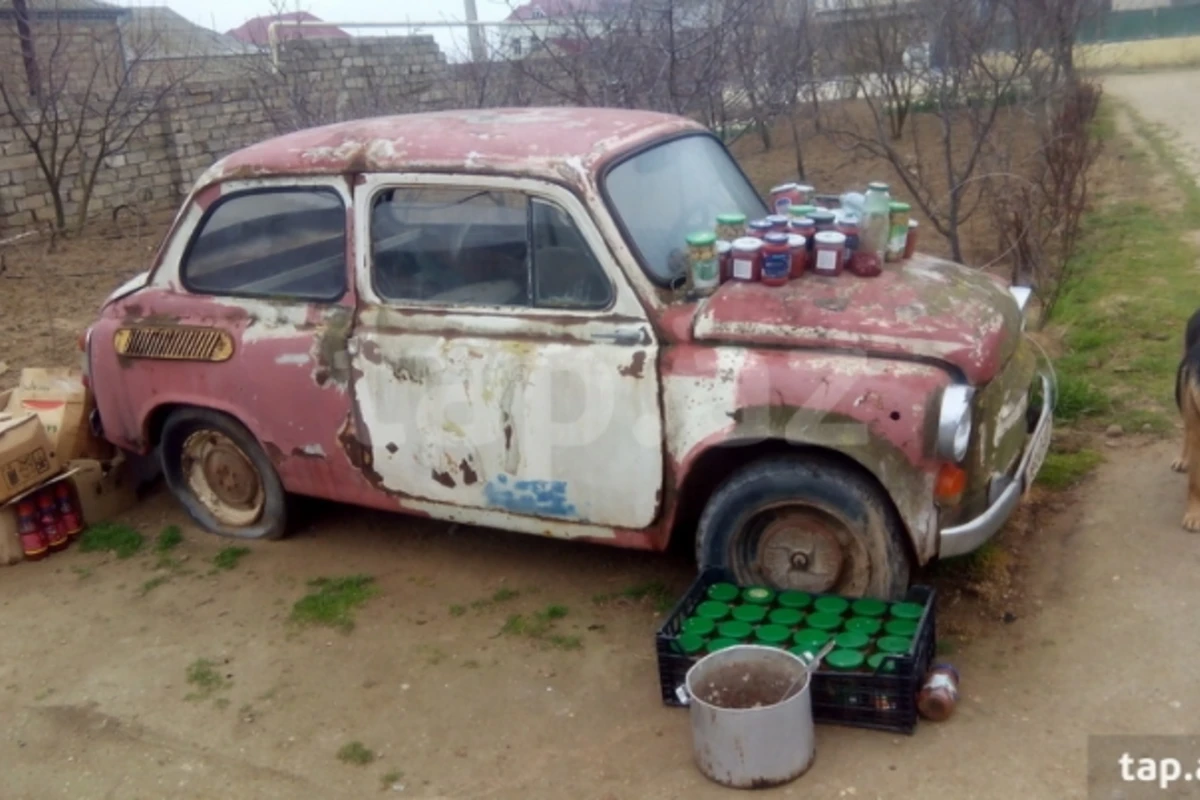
[475,316]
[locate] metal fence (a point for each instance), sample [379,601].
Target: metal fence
[1147,23]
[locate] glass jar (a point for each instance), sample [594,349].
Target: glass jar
[799,247]
[776,260]
[910,243]
[746,262]
[824,220]
[784,196]
[898,214]
[758,228]
[731,226]
[874,226]
[800,212]
[779,223]
[724,258]
[702,262]
[805,192]
[829,253]
[749,612]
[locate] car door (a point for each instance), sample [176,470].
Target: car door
[501,362]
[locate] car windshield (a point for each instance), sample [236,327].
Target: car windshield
[679,187]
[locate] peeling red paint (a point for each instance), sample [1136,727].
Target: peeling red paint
[636,367]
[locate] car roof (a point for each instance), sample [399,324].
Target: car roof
[563,144]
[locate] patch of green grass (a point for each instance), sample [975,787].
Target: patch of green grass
[470,663]
[540,626]
[654,591]
[170,538]
[1064,470]
[82,572]
[208,680]
[1134,286]
[152,584]
[355,753]
[565,642]
[111,537]
[457,611]
[392,778]
[503,595]
[334,601]
[229,557]
[982,565]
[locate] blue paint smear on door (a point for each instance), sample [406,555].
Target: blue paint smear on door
[535,498]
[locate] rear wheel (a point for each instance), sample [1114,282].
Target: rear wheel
[221,475]
[810,524]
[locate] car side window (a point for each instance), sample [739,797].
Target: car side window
[271,243]
[567,273]
[451,246]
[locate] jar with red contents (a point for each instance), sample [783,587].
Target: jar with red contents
[52,528]
[779,223]
[806,228]
[776,259]
[858,261]
[799,247]
[33,544]
[785,196]
[68,509]
[758,228]
[829,253]
[746,263]
[910,243]
[724,258]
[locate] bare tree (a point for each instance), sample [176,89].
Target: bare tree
[85,94]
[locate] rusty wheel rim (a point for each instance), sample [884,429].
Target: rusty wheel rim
[223,478]
[806,549]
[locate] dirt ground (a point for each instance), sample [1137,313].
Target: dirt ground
[93,665]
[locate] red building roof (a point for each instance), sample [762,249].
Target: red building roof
[552,9]
[254,31]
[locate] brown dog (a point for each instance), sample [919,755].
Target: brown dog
[1187,398]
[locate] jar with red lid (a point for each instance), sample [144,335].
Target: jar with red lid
[776,259]
[779,223]
[746,263]
[785,196]
[829,253]
[799,247]
[724,258]
[757,228]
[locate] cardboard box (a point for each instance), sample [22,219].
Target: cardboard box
[10,542]
[105,488]
[26,457]
[63,404]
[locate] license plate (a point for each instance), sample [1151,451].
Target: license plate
[1039,445]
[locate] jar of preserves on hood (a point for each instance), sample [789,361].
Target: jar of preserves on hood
[746,262]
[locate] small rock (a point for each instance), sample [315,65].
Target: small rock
[1147,428]
[1176,704]
[1114,431]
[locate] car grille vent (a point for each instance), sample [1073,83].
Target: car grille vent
[174,343]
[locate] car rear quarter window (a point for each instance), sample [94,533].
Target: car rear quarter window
[288,243]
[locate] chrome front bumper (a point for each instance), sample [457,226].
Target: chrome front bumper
[962,539]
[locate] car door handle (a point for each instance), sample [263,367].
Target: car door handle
[627,336]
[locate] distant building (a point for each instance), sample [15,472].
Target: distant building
[254,31]
[558,23]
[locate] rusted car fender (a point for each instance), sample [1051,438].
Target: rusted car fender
[878,412]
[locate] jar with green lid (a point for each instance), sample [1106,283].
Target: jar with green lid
[893,645]
[731,226]
[881,662]
[735,629]
[702,261]
[831,605]
[749,613]
[758,594]
[801,211]
[772,635]
[721,644]
[793,599]
[904,628]
[911,611]
[689,644]
[845,660]
[788,617]
[811,640]
[897,230]
[852,640]
[869,607]
[713,609]
[723,592]
[701,626]
[823,621]
[868,625]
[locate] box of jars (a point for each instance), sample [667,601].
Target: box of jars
[869,679]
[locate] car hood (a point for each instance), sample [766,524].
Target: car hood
[925,308]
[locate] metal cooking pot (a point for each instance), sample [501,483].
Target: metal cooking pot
[751,715]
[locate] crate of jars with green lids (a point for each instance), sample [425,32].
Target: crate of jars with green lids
[807,234]
[872,676]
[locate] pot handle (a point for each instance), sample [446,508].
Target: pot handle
[682,695]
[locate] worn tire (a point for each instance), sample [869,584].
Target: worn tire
[792,496]
[185,424]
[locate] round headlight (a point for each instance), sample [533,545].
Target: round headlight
[954,423]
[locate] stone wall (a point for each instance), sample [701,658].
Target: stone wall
[318,81]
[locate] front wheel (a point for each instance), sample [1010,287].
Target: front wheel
[805,523]
[221,475]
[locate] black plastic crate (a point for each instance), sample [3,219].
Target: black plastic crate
[879,700]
